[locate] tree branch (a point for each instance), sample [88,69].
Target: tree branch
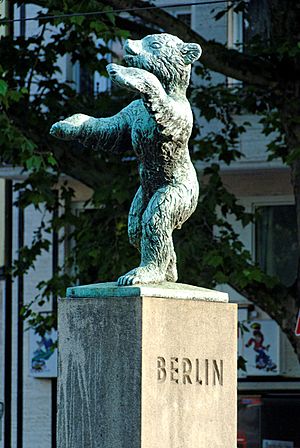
[215,56]
[279,303]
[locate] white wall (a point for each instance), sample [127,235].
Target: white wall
[32,28]
[289,365]
[36,392]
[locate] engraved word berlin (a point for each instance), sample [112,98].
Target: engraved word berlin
[185,371]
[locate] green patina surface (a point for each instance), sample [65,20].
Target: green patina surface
[159,125]
[163,290]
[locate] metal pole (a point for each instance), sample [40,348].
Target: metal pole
[8,314]
[20,336]
[55,248]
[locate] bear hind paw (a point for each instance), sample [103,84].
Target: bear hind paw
[142,275]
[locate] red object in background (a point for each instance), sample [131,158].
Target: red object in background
[297,329]
[249,401]
[241,440]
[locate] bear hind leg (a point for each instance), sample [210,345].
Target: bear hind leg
[172,274]
[135,219]
[158,259]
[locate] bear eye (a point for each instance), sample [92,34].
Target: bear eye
[155,45]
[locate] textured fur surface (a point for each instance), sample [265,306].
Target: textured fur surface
[159,125]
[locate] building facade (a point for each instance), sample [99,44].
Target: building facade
[269,391]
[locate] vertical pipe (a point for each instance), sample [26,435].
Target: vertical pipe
[53,411]
[10,15]
[22,17]
[8,314]
[20,297]
[20,336]
[55,248]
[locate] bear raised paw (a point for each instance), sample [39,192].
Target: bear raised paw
[159,125]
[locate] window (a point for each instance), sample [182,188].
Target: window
[259,23]
[242,28]
[276,241]
[91,83]
[235,30]
[182,13]
[269,421]
[185,17]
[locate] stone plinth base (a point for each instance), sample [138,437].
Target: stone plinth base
[147,367]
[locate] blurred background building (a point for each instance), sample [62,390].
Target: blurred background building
[269,391]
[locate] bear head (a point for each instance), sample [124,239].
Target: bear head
[164,55]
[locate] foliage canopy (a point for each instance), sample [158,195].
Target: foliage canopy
[34,94]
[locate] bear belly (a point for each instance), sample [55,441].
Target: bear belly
[151,180]
[162,159]
[169,172]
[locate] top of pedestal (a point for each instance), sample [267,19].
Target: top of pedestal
[166,290]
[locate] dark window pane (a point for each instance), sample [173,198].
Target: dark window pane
[86,82]
[186,18]
[271,417]
[276,242]
[257,24]
[281,419]
[249,417]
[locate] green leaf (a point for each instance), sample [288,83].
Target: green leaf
[14,95]
[293,155]
[216,260]
[111,16]
[33,162]
[3,87]
[51,160]
[77,20]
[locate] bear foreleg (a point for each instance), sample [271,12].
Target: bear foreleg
[69,128]
[106,134]
[135,79]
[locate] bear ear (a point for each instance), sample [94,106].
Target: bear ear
[191,52]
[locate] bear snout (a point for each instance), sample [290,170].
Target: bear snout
[130,48]
[112,69]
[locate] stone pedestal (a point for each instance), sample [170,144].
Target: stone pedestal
[147,367]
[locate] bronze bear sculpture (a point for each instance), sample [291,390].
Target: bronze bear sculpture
[159,125]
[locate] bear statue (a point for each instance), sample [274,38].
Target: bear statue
[159,124]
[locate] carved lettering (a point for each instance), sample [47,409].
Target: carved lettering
[161,369]
[218,372]
[188,371]
[206,371]
[174,370]
[198,379]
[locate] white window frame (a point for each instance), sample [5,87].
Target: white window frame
[235,36]
[267,201]
[235,27]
